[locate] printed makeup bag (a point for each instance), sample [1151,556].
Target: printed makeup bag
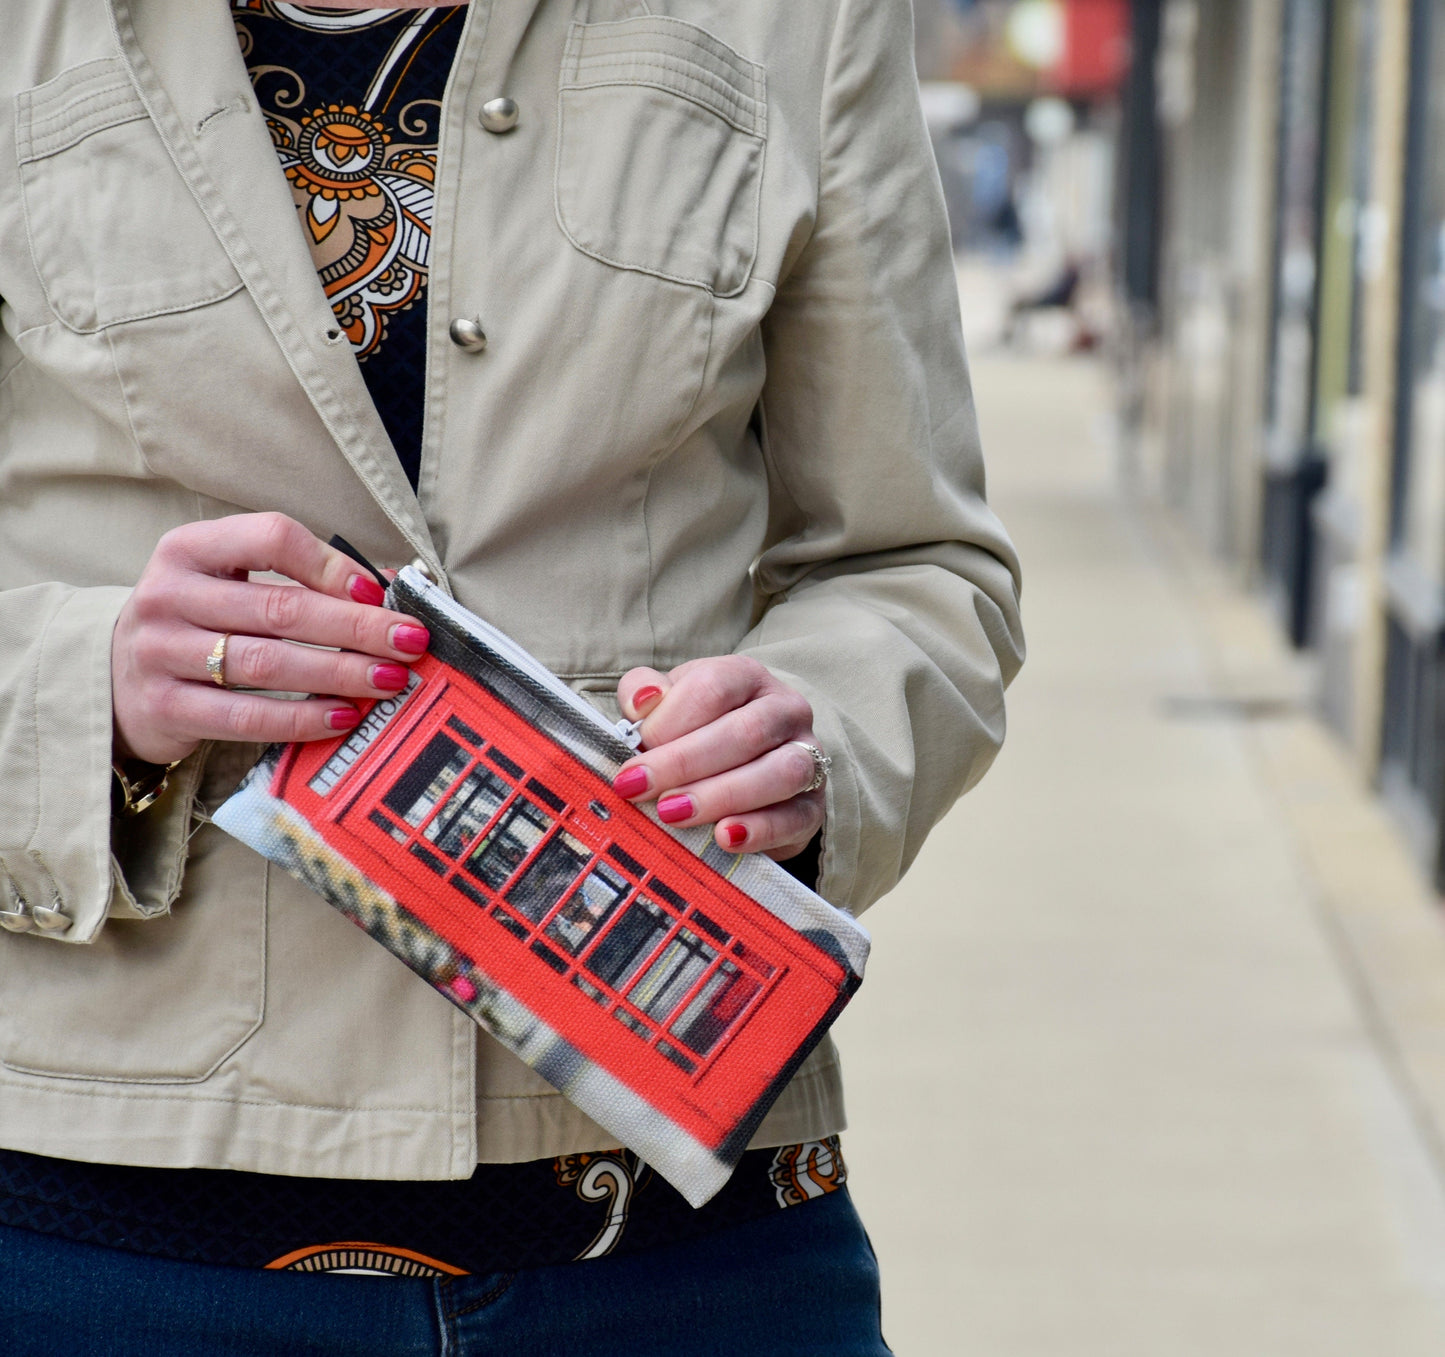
[469,824]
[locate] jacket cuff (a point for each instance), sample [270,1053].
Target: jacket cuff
[76,867]
[55,867]
[839,880]
[148,851]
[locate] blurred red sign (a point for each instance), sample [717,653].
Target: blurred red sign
[1096,47]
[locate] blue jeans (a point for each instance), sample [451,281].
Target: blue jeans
[802,1280]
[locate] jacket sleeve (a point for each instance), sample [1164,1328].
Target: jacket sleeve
[890,589]
[64,865]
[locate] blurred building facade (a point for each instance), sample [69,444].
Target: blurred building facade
[1281,267]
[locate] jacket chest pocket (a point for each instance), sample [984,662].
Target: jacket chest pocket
[115,234]
[661,133]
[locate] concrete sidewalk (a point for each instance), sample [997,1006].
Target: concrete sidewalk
[1184,994]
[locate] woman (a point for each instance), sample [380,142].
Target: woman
[641,336]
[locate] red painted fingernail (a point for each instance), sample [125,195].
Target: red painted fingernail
[737,835]
[671,809]
[414,640]
[389,676]
[342,718]
[632,782]
[365,590]
[645,697]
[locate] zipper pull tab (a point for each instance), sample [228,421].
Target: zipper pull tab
[630,732]
[342,545]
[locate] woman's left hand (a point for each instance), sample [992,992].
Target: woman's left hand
[718,745]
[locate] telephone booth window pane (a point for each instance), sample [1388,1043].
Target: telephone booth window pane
[382,821]
[718,1004]
[547,880]
[627,1020]
[591,991]
[555,961]
[510,922]
[545,794]
[621,855]
[496,756]
[667,893]
[589,908]
[423,785]
[669,978]
[460,883]
[752,957]
[478,799]
[713,930]
[465,731]
[502,851]
[673,1054]
[629,943]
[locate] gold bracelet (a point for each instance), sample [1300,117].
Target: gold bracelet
[142,791]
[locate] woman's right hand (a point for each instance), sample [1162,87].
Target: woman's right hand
[196,588]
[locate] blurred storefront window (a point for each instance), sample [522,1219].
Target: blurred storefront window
[1412,765]
[1294,468]
[1301,119]
[1420,485]
[1348,254]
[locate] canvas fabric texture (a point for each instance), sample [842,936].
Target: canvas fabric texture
[669,989]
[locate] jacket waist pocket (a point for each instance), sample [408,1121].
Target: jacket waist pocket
[161,1000]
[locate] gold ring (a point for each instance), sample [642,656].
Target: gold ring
[216,662]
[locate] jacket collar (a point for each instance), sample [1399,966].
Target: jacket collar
[187,66]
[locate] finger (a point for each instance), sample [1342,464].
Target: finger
[703,690]
[640,690]
[767,781]
[281,666]
[193,712]
[734,739]
[232,546]
[780,831]
[297,614]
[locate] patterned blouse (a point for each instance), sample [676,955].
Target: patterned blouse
[353,102]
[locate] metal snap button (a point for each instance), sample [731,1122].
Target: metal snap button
[16,919]
[50,919]
[14,912]
[466,333]
[499,115]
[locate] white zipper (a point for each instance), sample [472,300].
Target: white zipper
[629,732]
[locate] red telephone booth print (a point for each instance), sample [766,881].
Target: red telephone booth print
[551,886]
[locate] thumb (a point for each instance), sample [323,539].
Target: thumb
[640,690]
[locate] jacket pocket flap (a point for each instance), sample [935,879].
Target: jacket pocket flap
[672,55]
[74,105]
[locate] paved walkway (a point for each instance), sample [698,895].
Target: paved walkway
[1184,994]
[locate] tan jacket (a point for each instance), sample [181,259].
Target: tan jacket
[723,407]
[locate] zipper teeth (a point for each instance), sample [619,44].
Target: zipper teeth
[508,649]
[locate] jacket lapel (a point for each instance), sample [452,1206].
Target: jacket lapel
[187,65]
